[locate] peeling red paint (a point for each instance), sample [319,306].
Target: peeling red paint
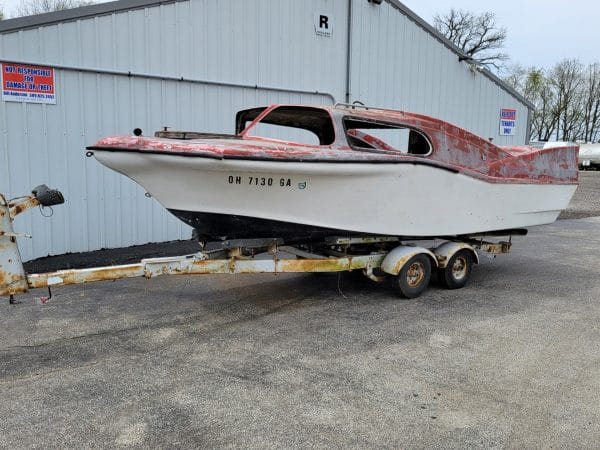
[453,148]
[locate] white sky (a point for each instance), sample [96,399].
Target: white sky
[540,32]
[9,7]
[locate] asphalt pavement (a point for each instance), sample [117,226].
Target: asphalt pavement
[296,361]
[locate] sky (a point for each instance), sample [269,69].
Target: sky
[540,32]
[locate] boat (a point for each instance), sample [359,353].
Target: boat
[302,173]
[589,153]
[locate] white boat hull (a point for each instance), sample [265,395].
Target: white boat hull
[404,199]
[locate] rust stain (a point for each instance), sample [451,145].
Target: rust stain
[17,207]
[111,273]
[209,266]
[12,284]
[77,276]
[314,265]
[401,262]
[495,247]
[17,210]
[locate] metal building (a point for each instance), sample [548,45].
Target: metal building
[192,64]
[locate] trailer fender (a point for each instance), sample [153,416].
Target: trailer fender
[446,251]
[395,260]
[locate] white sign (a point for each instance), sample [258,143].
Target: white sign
[323,25]
[508,121]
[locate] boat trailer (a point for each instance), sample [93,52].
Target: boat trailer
[408,266]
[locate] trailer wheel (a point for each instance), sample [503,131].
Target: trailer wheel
[456,274]
[414,277]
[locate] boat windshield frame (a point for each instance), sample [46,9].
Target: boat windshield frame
[318,121]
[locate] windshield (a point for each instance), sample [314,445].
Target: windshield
[299,124]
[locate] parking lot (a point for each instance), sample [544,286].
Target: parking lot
[512,360]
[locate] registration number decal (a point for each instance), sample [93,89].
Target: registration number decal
[266,182]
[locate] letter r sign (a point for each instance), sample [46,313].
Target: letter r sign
[323,24]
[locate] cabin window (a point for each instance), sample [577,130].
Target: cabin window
[302,125]
[284,133]
[364,134]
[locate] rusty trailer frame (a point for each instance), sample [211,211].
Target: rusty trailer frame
[376,261]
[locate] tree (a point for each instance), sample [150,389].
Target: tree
[591,103]
[534,85]
[544,118]
[477,36]
[566,100]
[566,78]
[32,7]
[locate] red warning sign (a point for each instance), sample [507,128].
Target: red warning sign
[23,83]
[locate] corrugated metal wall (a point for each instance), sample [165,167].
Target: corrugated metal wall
[269,43]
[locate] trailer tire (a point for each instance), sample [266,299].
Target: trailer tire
[458,270]
[414,277]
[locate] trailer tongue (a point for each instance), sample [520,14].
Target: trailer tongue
[409,266]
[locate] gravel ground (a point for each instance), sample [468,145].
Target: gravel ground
[586,201]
